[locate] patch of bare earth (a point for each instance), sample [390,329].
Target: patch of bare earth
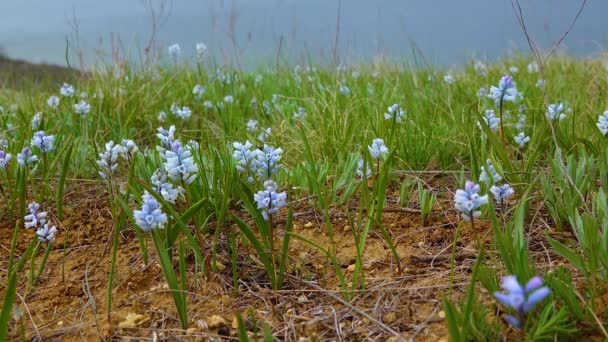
[70,301]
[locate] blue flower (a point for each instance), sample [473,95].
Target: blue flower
[269,200]
[360,173]
[300,114]
[467,201]
[166,138]
[45,143]
[252,126]
[377,149]
[490,119]
[506,91]
[521,299]
[26,157]
[4,159]
[108,159]
[35,218]
[180,164]
[344,90]
[150,216]
[555,112]
[128,149]
[183,113]
[602,123]
[502,193]
[246,158]
[395,113]
[164,188]
[489,174]
[268,161]
[521,139]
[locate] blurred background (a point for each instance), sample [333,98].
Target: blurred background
[247,33]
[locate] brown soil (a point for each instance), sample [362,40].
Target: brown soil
[69,304]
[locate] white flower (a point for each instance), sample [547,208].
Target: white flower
[258,79]
[480,68]
[82,108]
[162,116]
[46,233]
[264,134]
[252,126]
[53,102]
[35,218]
[300,114]
[540,83]
[533,68]
[228,99]
[344,90]
[368,170]
[198,91]
[66,90]
[449,79]
[174,51]
[128,149]
[201,50]
[377,148]
[602,123]
[513,69]
[36,121]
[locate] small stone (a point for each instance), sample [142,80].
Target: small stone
[420,244]
[60,323]
[308,225]
[441,314]
[216,321]
[389,318]
[351,268]
[130,321]
[302,299]
[347,229]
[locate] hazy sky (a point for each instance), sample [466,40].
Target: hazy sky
[447,32]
